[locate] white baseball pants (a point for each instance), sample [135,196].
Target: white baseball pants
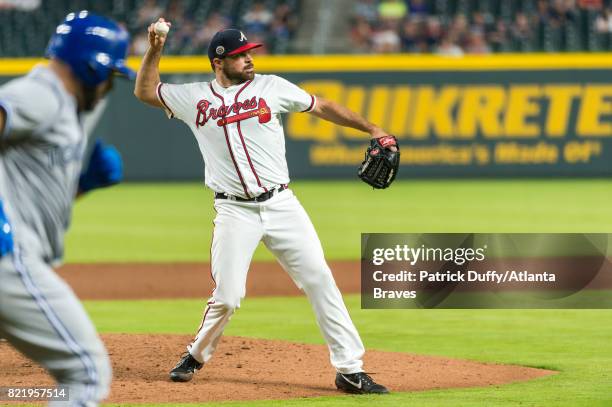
[286,230]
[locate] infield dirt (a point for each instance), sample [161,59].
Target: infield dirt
[186,280]
[193,280]
[243,368]
[256,369]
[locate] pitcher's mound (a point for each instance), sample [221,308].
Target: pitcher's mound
[255,369]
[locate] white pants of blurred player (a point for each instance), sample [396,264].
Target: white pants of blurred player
[286,230]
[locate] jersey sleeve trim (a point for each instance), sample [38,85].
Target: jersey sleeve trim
[161,99]
[313,103]
[8,113]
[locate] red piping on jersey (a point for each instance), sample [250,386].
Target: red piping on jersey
[242,139]
[161,98]
[228,144]
[312,102]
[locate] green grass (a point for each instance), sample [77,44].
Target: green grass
[574,342]
[173,222]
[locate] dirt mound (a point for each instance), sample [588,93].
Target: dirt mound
[255,369]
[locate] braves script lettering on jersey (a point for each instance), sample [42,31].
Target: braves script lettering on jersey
[240,135]
[239,129]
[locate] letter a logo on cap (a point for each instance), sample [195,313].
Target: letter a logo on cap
[242,37]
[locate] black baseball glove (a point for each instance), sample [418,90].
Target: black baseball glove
[381,163]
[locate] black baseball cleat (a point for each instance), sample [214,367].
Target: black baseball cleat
[184,369]
[359,383]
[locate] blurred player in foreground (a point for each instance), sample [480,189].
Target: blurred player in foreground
[42,144]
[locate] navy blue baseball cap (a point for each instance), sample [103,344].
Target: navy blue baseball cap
[229,42]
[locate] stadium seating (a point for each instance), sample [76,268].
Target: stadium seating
[25,33]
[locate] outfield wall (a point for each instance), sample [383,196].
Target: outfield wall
[502,115]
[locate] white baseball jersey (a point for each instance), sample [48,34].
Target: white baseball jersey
[238,129]
[240,134]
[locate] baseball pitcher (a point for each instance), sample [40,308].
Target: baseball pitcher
[236,119]
[42,144]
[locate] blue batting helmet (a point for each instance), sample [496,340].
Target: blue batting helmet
[93,46]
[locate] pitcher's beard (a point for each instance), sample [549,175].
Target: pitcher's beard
[238,77]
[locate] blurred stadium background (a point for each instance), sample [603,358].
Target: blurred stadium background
[470,87]
[447,27]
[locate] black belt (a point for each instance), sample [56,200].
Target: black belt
[260,198]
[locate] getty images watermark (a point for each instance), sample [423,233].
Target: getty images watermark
[37,393]
[486,270]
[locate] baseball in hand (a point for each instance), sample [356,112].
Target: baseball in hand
[161,28]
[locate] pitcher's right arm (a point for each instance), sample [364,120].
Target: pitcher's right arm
[148,78]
